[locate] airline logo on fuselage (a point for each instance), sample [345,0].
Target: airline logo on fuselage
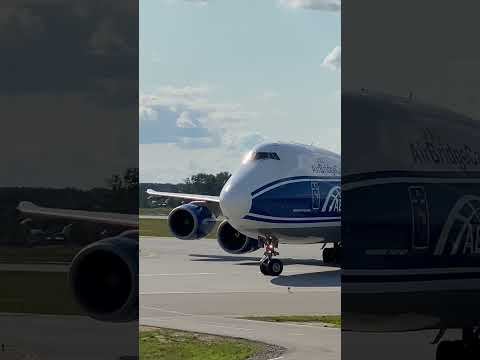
[461,231]
[333,200]
[431,149]
[324,167]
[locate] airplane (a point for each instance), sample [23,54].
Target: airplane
[103,275]
[281,193]
[410,221]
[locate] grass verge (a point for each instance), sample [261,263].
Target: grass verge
[159,227]
[328,320]
[154,211]
[38,254]
[167,344]
[37,293]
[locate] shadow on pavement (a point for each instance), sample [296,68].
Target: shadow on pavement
[251,260]
[316,279]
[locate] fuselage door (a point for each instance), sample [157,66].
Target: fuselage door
[420,218]
[315,195]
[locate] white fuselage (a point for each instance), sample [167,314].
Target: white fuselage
[290,191]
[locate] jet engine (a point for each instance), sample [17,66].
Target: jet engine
[233,241]
[104,278]
[191,221]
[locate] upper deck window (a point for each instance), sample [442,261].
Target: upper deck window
[265,155]
[260,155]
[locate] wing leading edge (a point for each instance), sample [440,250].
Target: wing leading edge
[127,220]
[208,198]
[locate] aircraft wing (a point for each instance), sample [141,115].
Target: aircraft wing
[28,208]
[207,198]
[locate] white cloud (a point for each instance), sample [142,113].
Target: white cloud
[182,119]
[178,163]
[190,118]
[268,95]
[185,121]
[326,5]
[198,2]
[146,113]
[333,60]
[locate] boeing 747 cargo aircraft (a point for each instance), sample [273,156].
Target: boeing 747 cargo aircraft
[282,192]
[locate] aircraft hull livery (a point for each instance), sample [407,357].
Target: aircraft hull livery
[298,199]
[281,193]
[411,219]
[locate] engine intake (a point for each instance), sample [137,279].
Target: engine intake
[104,278]
[191,221]
[233,241]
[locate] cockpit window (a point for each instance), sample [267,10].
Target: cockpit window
[260,155]
[265,155]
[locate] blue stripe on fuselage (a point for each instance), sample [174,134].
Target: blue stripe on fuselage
[293,221]
[309,199]
[294,178]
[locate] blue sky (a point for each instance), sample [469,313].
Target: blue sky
[219,76]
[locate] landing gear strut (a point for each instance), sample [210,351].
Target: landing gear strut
[332,255]
[269,265]
[467,348]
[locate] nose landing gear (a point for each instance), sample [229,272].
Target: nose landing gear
[467,348]
[269,265]
[332,255]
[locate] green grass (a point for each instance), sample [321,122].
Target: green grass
[36,292]
[331,320]
[166,344]
[154,227]
[37,254]
[159,227]
[154,211]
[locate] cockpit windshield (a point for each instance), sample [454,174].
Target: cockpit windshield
[260,155]
[265,155]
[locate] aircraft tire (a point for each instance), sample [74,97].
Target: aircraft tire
[328,255]
[264,268]
[275,267]
[450,350]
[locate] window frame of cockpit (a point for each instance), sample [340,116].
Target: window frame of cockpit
[267,155]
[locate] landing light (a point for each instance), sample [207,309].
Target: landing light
[247,157]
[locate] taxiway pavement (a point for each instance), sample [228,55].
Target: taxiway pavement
[194,285]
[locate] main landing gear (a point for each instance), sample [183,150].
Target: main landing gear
[332,255]
[269,265]
[467,348]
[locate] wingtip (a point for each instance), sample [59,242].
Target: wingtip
[26,205]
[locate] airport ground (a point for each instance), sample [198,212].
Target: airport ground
[195,286]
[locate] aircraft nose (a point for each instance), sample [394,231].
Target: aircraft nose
[234,202]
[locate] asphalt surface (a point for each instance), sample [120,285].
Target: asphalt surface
[53,337]
[195,286]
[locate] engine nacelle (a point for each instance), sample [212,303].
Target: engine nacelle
[104,278]
[191,221]
[233,241]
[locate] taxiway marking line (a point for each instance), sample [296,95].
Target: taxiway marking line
[335,289]
[164,310]
[178,274]
[228,327]
[206,324]
[291,324]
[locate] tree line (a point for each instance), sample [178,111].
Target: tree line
[201,183]
[118,195]
[122,193]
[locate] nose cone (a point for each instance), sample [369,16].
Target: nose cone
[235,202]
